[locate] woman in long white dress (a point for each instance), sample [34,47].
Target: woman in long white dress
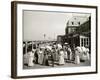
[65,54]
[77,57]
[87,52]
[40,56]
[85,55]
[30,59]
[61,57]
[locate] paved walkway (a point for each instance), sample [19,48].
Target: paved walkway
[67,64]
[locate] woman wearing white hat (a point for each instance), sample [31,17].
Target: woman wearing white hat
[30,58]
[77,57]
[40,56]
[61,57]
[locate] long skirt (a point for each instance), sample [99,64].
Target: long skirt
[45,60]
[30,62]
[77,59]
[71,55]
[40,59]
[61,60]
[65,55]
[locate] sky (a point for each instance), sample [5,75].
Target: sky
[36,24]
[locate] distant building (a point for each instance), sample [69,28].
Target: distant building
[78,24]
[61,39]
[77,32]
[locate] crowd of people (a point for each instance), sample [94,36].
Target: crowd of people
[52,54]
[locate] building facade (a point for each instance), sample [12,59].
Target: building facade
[77,32]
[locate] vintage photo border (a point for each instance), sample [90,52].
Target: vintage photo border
[14,37]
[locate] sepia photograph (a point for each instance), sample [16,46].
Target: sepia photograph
[56,39]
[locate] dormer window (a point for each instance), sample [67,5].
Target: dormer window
[79,23]
[72,23]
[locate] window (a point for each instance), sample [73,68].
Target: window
[73,30]
[87,41]
[72,23]
[82,42]
[79,23]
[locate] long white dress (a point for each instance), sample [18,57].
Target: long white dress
[30,59]
[88,57]
[77,58]
[61,57]
[40,57]
[65,55]
[25,59]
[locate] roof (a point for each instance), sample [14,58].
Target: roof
[77,20]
